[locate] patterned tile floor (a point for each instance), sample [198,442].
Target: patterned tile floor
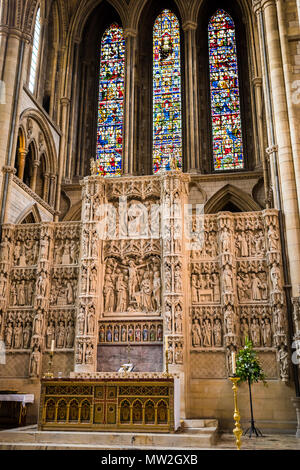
[267,442]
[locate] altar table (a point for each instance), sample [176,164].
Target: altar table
[110,402]
[20,401]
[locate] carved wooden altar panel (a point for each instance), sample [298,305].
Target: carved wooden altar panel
[123,404]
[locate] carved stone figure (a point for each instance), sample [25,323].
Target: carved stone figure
[227,279]
[217,333]
[255,332]
[157,289]
[207,336]
[38,324]
[196,334]
[60,335]
[18,336]
[121,288]
[27,335]
[256,287]
[70,335]
[50,334]
[244,331]
[216,287]
[266,333]
[9,335]
[89,354]
[109,292]
[177,278]
[275,277]
[146,290]
[34,362]
[79,354]
[178,320]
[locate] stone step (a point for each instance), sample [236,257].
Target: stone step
[34,439]
[200,423]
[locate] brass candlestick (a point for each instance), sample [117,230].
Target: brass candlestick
[236,416]
[49,374]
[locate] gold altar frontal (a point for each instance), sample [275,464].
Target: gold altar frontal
[107,403]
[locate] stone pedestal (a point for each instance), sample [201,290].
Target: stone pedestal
[296,403]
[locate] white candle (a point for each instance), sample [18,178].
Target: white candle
[52,345]
[233,362]
[167,345]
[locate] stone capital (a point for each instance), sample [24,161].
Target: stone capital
[272,149]
[189,26]
[257,81]
[65,101]
[9,170]
[130,32]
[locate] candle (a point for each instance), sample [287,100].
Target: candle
[167,345]
[233,362]
[52,345]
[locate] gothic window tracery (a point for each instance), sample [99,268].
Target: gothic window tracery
[227,137]
[35,51]
[167,107]
[111,101]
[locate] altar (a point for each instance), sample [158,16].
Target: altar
[139,402]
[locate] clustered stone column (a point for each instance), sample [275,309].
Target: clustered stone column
[192,121]
[227,263]
[267,15]
[6,252]
[89,277]
[277,301]
[174,196]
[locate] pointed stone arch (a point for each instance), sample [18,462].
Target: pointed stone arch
[31,211]
[231,194]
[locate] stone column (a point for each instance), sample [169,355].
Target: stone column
[36,164]
[191,115]
[228,268]
[129,103]
[41,299]
[291,108]
[65,105]
[282,134]
[89,277]
[21,162]
[52,190]
[46,187]
[175,279]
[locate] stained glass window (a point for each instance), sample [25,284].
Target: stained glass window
[111,100]
[35,51]
[167,127]
[225,97]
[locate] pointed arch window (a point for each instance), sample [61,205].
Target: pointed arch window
[227,137]
[111,103]
[167,106]
[35,51]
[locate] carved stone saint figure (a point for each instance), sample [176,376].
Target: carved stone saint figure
[34,362]
[157,289]
[121,289]
[255,332]
[196,334]
[177,277]
[79,354]
[244,330]
[225,240]
[266,333]
[50,334]
[178,320]
[109,292]
[227,278]
[256,286]
[146,290]
[38,324]
[218,333]
[9,335]
[69,293]
[27,335]
[275,277]
[273,238]
[207,333]
[60,335]
[18,336]
[70,335]
[89,354]
[228,319]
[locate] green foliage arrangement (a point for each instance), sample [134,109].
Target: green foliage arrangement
[248,367]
